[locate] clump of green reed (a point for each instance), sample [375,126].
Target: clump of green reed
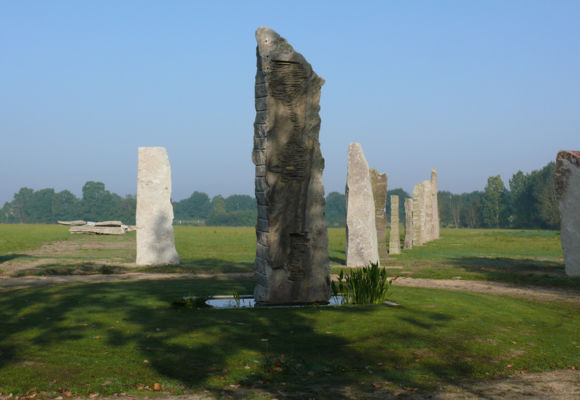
[367,285]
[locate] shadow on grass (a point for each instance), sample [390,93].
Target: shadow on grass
[85,268]
[9,257]
[201,265]
[282,351]
[518,270]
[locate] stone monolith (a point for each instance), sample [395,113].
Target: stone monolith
[568,192]
[155,240]
[408,223]
[361,233]
[418,215]
[428,211]
[394,237]
[435,204]
[379,185]
[292,244]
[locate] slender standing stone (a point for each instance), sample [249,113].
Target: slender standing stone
[379,185]
[408,223]
[292,243]
[155,241]
[435,203]
[361,233]
[418,215]
[394,237]
[428,213]
[568,192]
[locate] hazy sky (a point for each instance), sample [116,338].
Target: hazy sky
[473,88]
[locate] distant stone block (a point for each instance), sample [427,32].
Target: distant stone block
[155,239]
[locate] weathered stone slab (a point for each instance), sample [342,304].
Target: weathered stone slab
[361,233]
[418,215]
[379,185]
[568,192]
[292,247]
[435,204]
[155,240]
[72,223]
[428,211]
[395,237]
[109,223]
[97,230]
[408,223]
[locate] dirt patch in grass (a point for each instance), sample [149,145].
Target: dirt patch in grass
[494,288]
[558,385]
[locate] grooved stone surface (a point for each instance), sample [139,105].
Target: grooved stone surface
[408,223]
[361,233]
[394,237]
[418,215]
[155,240]
[292,244]
[379,185]
[428,211]
[568,192]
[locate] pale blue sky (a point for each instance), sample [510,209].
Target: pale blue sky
[473,88]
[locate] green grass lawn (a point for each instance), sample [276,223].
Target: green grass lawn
[512,256]
[125,337]
[15,238]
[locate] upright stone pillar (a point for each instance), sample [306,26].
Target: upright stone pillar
[379,185]
[155,241]
[408,223]
[428,212]
[568,192]
[394,237]
[292,243]
[361,233]
[435,203]
[418,215]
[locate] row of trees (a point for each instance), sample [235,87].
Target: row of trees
[530,202]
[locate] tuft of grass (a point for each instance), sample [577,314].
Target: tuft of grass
[366,285]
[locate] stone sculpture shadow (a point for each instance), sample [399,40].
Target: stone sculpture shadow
[289,345]
[518,270]
[8,257]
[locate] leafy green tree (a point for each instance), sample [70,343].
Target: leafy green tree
[240,202]
[65,206]
[496,203]
[335,209]
[195,207]
[544,193]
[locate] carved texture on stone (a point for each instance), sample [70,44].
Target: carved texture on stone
[361,233]
[292,243]
[379,185]
[155,239]
[394,237]
[567,184]
[408,223]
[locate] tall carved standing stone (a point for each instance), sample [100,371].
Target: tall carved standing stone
[435,203]
[361,233]
[292,243]
[394,237]
[418,215]
[408,223]
[428,212]
[155,240]
[379,185]
[568,192]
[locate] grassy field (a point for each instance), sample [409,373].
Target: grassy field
[512,256]
[126,337]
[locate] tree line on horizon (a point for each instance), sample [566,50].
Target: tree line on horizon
[530,202]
